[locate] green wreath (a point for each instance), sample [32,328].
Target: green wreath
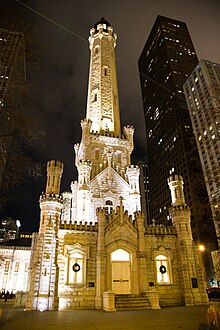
[163,269]
[76,267]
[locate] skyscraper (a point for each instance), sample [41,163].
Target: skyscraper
[202,91]
[166,61]
[12,71]
[9,229]
[143,181]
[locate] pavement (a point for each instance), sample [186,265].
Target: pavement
[169,318]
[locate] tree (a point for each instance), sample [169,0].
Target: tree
[19,128]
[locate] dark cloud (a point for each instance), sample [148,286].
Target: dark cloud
[61,82]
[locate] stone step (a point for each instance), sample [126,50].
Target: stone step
[131,298]
[133,305]
[131,302]
[132,308]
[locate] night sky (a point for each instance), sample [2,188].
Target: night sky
[60,83]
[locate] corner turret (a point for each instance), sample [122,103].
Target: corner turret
[43,293]
[54,173]
[175,183]
[191,272]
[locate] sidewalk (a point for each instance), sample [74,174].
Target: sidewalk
[170,318]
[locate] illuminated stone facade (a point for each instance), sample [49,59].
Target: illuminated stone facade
[92,244]
[14,268]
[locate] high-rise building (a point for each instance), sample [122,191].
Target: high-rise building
[143,181]
[9,229]
[202,91]
[168,58]
[12,71]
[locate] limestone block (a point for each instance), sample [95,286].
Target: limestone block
[153,296]
[108,301]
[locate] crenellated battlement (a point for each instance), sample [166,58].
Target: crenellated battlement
[51,164]
[85,163]
[133,169]
[74,225]
[51,197]
[86,123]
[128,130]
[104,133]
[175,177]
[66,194]
[139,214]
[160,230]
[179,208]
[76,147]
[102,27]
[100,211]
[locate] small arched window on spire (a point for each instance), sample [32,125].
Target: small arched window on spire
[105,71]
[94,96]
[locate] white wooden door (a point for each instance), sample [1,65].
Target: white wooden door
[121,283]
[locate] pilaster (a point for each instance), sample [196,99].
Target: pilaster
[100,259]
[141,255]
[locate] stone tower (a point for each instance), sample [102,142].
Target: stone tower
[102,103]
[191,270]
[44,275]
[103,157]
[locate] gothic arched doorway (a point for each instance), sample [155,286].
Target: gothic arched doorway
[121,273]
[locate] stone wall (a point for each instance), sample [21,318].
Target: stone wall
[162,240]
[77,296]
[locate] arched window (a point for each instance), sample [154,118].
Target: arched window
[75,274]
[120,255]
[163,269]
[109,207]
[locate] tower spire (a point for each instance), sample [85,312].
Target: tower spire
[102,101]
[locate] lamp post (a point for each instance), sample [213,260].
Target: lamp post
[201,250]
[201,247]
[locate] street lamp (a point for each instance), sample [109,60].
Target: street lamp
[201,250]
[201,247]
